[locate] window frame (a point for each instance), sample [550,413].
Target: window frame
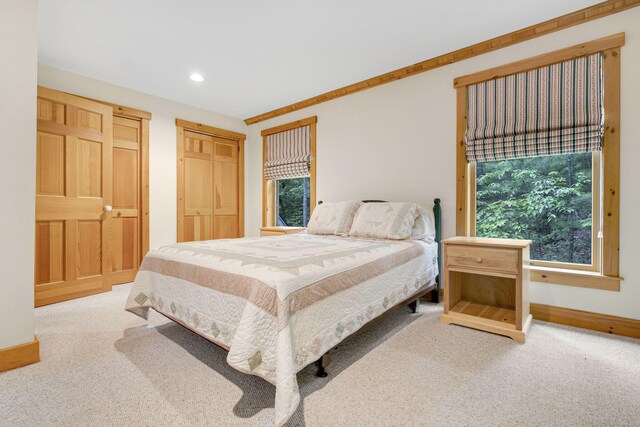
[595,218]
[605,274]
[269,206]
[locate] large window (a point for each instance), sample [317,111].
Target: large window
[289,171]
[292,202]
[538,157]
[551,200]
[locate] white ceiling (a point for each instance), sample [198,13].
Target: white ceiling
[258,55]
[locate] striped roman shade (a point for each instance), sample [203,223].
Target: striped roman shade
[288,154]
[555,109]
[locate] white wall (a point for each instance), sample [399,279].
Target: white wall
[18,66]
[162,139]
[397,142]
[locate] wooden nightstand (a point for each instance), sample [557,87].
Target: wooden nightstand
[278,231]
[486,285]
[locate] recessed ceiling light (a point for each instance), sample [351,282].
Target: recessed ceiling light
[196,77]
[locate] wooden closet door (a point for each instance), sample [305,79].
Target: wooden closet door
[198,186]
[225,189]
[125,236]
[73,185]
[210,182]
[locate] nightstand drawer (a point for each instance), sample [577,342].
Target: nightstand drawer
[482,258]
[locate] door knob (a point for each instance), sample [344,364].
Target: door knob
[107,208]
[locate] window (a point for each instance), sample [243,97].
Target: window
[288,186]
[551,200]
[556,184]
[292,197]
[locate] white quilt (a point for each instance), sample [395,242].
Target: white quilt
[279,303]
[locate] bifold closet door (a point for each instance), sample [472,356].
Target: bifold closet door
[198,186]
[126,221]
[208,187]
[225,189]
[73,196]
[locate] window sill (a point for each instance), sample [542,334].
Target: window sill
[284,229]
[582,279]
[279,230]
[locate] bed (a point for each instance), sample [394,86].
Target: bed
[280,303]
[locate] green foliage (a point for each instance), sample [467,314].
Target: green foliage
[293,202]
[544,199]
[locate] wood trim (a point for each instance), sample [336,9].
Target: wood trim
[121,110]
[587,320]
[241,188]
[68,98]
[587,14]
[180,183]
[210,130]
[283,229]
[472,188]
[265,190]
[576,51]
[461,162]
[20,355]
[268,187]
[288,126]
[280,230]
[611,163]
[118,110]
[312,169]
[582,279]
[144,167]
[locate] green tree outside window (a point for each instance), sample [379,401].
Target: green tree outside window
[545,199]
[293,202]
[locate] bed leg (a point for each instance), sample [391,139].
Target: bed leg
[413,306]
[322,363]
[435,295]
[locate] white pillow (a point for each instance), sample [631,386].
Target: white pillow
[385,220]
[333,217]
[424,227]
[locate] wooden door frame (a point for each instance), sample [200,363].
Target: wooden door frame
[181,126]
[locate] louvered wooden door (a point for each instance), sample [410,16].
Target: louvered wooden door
[125,236]
[208,187]
[73,186]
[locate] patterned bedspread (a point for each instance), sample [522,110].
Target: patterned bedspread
[279,303]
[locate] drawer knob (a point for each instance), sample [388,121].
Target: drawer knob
[479,260]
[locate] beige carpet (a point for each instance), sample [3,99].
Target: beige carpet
[103,366]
